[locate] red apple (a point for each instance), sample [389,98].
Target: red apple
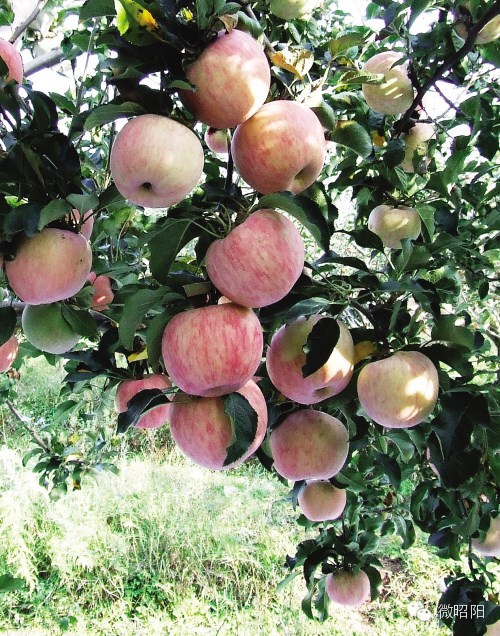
[399,391]
[46,329]
[156,161]
[348,588]
[232,78]
[416,140]
[103,294]
[213,350]
[282,147]
[217,141]
[203,431]
[490,547]
[13,60]
[52,265]
[392,224]
[286,357]
[126,390]
[321,501]
[309,445]
[8,353]
[395,94]
[259,261]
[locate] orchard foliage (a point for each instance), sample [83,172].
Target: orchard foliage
[433,294]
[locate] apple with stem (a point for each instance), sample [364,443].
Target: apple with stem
[46,328]
[50,266]
[8,353]
[13,60]
[309,444]
[392,224]
[281,147]
[232,78]
[351,589]
[321,501]
[286,357]
[127,389]
[395,94]
[214,350]
[203,432]
[399,391]
[259,261]
[489,33]
[156,161]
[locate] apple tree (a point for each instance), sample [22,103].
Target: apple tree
[272,228]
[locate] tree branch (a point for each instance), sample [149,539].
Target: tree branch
[24,25]
[249,11]
[448,64]
[27,425]
[46,60]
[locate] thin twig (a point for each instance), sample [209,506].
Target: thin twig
[448,64]
[46,60]
[249,11]
[24,25]
[27,425]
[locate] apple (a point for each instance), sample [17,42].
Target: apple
[293,9]
[203,431]
[416,140]
[399,391]
[348,588]
[8,353]
[214,350]
[395,94]
[217,141]
[103,294]
[286,357]
[493,629]
[309,444]
[392,224]
[259,261]
[13,60]
[126,390]
[281,147]
[232,79]
[156,161]
[46,329]
[489,33]
[490,547]
[50,266]
[321,501]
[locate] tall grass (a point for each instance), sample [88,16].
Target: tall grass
[168,549]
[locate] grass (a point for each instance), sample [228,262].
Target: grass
[169,548]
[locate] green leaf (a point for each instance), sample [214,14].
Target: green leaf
[394,152]
[97,8]
[10,584]
[65,409]
[136,307]
[304,210]
[81,321]
[353,136]
[445,330]
[321,341]
[140,404]
[427,213]
[167,243]
[54,210]
[343,43]
[360,77]
[8,321]
[307,307]
[243,419]
[154,335]
[83,202]
[110,112]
